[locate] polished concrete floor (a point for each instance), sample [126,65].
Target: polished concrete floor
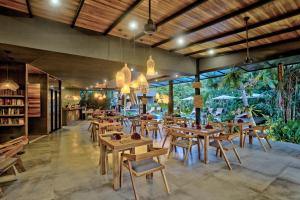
[64,166]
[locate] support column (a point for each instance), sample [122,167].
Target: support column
[144,105]
[171,100]
[197,92]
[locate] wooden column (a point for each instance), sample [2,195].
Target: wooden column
[171,100]
[197,91]
[144,105]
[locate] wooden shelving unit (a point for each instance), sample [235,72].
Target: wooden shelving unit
[13,104]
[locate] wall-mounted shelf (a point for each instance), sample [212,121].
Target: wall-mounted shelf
[7,106]
[19,115]
[12,96]
[7,125]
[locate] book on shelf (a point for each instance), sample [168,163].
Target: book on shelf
[12,93]
[11,102]
[11,111]
[11,121]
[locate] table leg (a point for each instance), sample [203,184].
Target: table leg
[149,176]
[102,158]
[241,136]
[206,144]
[116,170]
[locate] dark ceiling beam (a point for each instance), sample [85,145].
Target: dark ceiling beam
[77,13]
[242,29]
[259,37]
[174,15]
[216,21]
[280,42]
[29,8]
[242,68]
[122,16]
[221,72]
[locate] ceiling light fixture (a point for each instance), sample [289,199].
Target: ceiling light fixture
[132,69]
[133,25]
[180,41]
[150,27]
[55,2]
[211,52]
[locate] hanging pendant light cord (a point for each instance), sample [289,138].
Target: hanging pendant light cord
[149,9]
[246,20]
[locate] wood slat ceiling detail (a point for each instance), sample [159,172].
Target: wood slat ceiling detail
[19,5]
[98,15]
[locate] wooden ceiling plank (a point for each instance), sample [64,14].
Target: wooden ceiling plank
[29,8]
[77,13]
[173,16]
[216,21]
[242,29]
[264,36]
[122,16]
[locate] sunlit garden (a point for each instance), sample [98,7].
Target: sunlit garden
[257,94]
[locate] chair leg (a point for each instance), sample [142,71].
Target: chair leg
[19,165]
[160,133]
[170,151]
[268,142]
[121,172]
[164,142]
[244,141]
[165,181]
[217,152]
[262,144]
[224,155]
[132,181]
[186,155]
[199,150]
[236,153]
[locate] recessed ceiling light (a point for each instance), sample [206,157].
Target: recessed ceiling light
[133,25]
[62,87]
[86,88]
[55,2]
[156,80]
[211,52]
[132,69]
[180,41]
[105,80]
[156,73]
[176,75]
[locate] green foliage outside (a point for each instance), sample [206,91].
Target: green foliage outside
[282,118]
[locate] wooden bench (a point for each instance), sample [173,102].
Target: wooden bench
[10,160]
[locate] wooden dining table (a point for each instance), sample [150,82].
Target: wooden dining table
[117,146]
[118,118]
[205,133]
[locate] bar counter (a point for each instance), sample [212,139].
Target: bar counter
[70,115]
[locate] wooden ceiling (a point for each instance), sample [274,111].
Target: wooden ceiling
[204,24]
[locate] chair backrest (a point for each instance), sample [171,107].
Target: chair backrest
[144,156]
[115,127]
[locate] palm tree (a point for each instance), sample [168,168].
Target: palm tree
[236,80]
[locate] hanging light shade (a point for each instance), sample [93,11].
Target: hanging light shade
[150,66]
[143,84]
[104,96]
[9,85]
[127,74]
[134,84]
[125,89]
[120,79]
[96,95]
[165,99]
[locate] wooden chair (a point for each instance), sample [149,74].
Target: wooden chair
[94,131]
[143,164]
[113,128]
[154,127]
[10,160]
[259,133]
[223,143]
[185,141]
[135,123]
